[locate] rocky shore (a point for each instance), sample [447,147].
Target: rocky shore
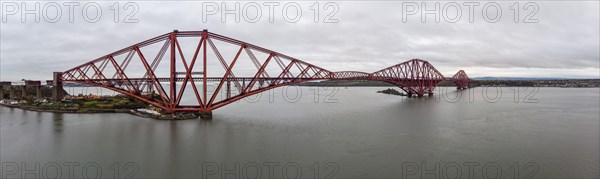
[137,112]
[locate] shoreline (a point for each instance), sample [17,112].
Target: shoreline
[134,112]
[34,108]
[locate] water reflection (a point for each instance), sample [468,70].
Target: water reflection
[365,133]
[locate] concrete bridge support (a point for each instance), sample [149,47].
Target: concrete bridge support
[57,89]
[4,85]
[23,92]
[11,92]
[206,115]
[38,92]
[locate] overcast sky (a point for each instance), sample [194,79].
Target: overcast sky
[367,36]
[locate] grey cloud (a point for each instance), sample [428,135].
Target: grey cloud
[368,37]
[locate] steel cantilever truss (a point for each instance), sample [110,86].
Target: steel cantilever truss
[237,70]
[414,76]
[461,80]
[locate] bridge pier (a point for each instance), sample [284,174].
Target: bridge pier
[4,84]
[11,92]
[420,95]
[228,89]
[23,92]
[206,115]
[150,88]
[38,92]
[430,94]
[57,89]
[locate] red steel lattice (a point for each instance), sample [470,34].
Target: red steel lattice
[185,76]
[461,80]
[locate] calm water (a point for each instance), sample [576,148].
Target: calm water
[353,132]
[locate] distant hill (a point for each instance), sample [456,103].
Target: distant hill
[521,78]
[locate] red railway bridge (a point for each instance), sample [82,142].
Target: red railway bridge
[233,69]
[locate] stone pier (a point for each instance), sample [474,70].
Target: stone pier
[38,92]
[4,85]
[11,92]
[57,86]
[37,85]
[23,92]
[206,115]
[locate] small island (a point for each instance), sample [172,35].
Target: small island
[391,91]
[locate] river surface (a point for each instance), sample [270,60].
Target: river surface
[340,133]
